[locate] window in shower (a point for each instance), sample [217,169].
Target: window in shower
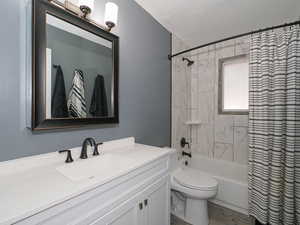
[234,85]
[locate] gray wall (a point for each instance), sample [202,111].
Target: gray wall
[144,85]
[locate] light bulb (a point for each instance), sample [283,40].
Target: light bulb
[111,14]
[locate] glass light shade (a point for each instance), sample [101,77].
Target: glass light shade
[89,3]
[111,13]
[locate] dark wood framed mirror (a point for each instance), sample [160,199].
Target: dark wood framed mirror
[75,70]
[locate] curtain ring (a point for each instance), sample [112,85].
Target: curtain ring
[234,47]
[208,51]
[208,54]
[215,50]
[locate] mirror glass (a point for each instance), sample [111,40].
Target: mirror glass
[79,72]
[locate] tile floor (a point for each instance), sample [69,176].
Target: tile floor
[220,216]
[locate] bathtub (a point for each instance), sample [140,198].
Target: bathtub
[232,178]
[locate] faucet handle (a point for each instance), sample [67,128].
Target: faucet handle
[69,155]
[183,143]
[96,152]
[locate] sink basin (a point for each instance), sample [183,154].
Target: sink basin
[102,167]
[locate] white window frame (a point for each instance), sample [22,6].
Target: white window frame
[221,87]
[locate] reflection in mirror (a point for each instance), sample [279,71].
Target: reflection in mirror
[79,72]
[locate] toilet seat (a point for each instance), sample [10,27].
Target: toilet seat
[194,179]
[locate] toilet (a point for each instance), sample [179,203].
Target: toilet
[197,187]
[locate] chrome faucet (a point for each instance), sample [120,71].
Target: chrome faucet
[86,142]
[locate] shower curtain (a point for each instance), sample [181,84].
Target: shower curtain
[274,127]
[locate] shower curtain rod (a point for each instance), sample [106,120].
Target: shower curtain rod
[234,37]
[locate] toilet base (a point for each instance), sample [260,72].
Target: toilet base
[196,212]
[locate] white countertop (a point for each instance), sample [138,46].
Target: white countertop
[30,185]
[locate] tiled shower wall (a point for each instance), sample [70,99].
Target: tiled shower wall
[181,95]
[195,97]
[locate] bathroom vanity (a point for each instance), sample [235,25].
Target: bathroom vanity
[127,184]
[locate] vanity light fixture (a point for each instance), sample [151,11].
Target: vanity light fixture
[111,15]
[86,7]
[67,6]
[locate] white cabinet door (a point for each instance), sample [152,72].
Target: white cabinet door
[148,207]
[130,212]
[157,204]
[128,218]
[133,215]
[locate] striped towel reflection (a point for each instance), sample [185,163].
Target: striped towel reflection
[76,101]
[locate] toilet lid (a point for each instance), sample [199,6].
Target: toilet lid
[195,179]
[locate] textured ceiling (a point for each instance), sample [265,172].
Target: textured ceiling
[201,21]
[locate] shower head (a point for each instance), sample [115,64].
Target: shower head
[190,62]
